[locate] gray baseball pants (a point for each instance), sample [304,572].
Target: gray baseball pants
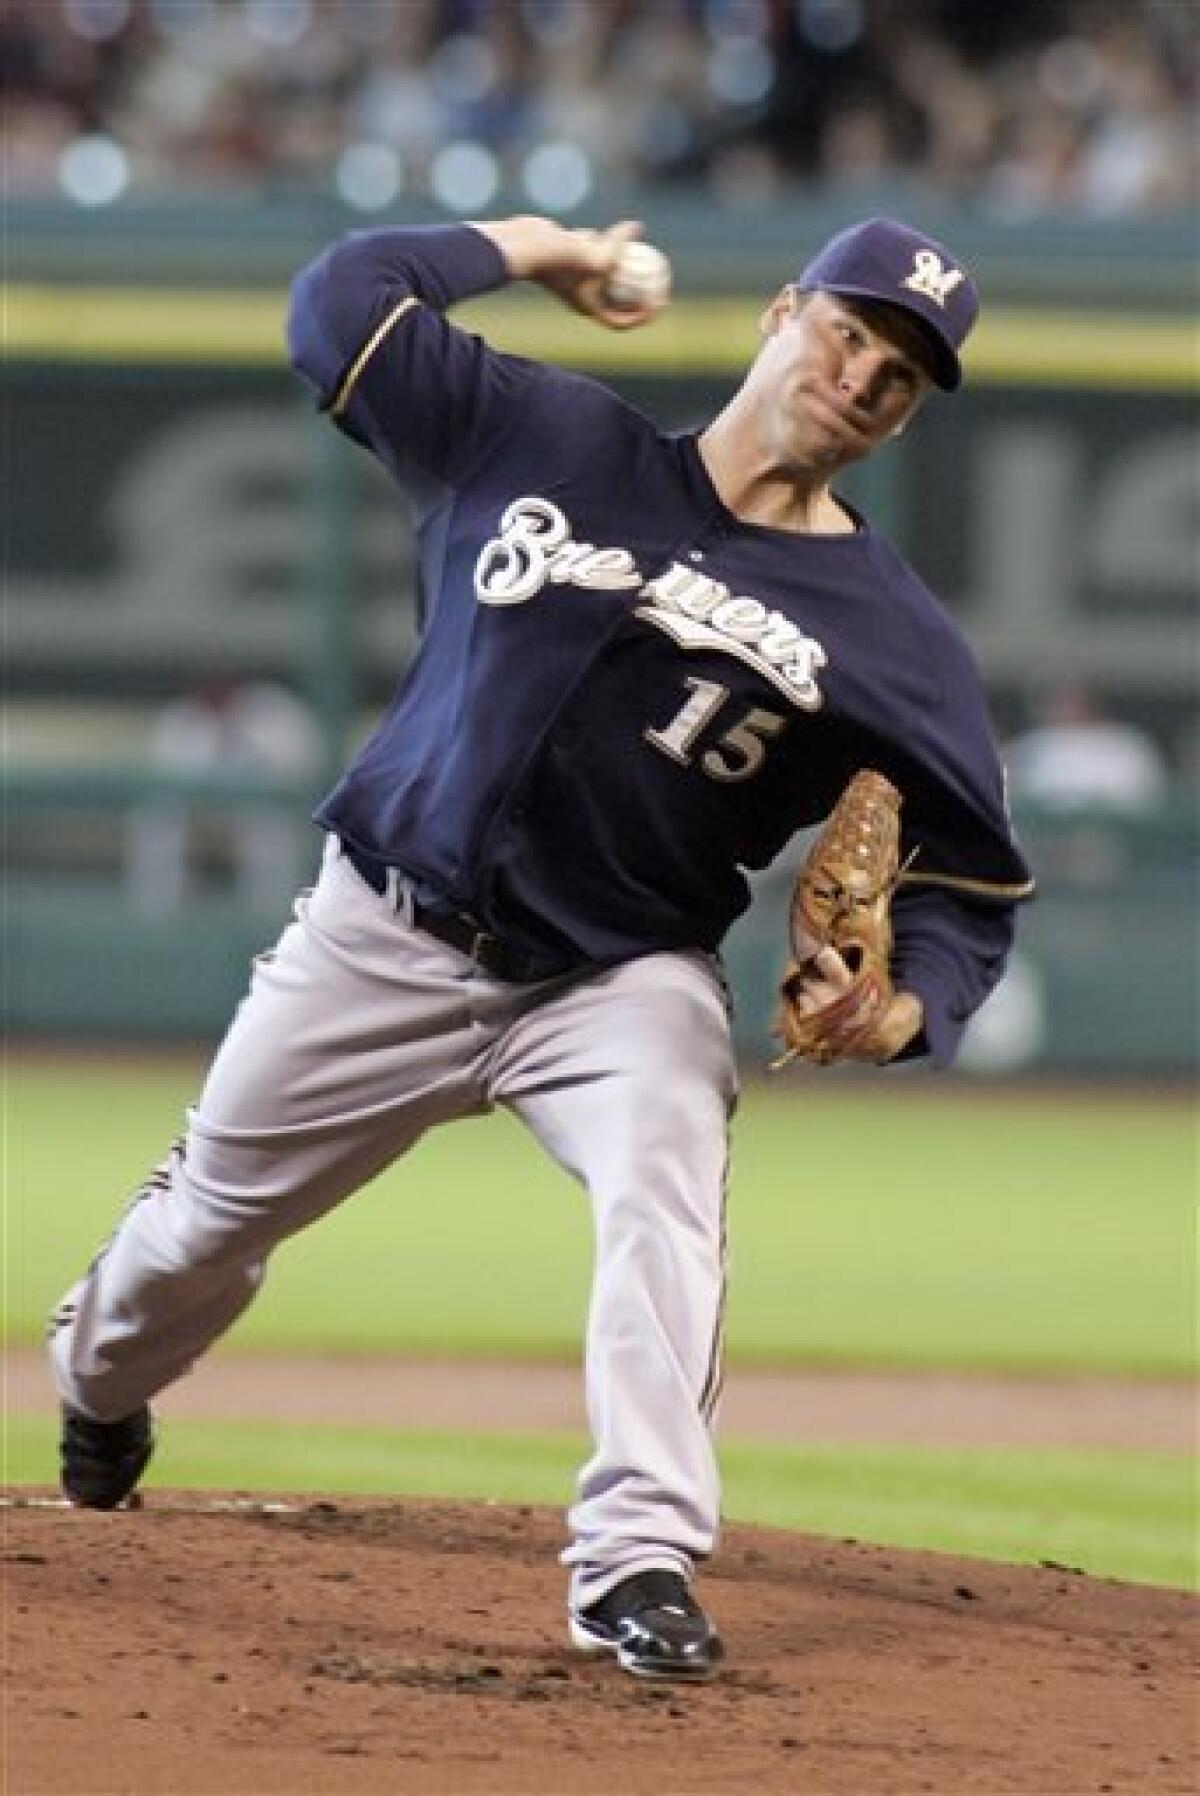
[358,1033]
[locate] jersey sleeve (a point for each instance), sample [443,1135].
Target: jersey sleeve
[367,331]
[950,952]
[954,911]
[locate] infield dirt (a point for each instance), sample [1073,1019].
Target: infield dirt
[209,1647]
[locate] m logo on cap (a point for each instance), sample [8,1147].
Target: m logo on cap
[930,278]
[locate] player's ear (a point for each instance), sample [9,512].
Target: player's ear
[782,309]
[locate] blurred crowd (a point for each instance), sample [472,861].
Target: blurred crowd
[1017,109]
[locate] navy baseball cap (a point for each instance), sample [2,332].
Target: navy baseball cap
[884,259]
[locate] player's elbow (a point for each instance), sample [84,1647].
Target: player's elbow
[312,349]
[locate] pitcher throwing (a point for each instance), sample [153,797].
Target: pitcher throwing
[647,660]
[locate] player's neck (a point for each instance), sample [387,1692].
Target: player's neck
[774,497]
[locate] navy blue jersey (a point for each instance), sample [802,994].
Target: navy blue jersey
[624,695]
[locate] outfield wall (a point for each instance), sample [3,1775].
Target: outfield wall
[1105,979]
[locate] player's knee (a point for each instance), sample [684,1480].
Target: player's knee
[180,1232]
[657,1201]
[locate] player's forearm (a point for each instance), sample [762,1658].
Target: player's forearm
[537,248]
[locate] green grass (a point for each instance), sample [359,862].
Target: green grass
[914,1223]
[1113,1515]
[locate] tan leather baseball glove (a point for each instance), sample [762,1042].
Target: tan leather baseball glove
[836,998]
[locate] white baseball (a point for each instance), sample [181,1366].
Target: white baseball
[640,277]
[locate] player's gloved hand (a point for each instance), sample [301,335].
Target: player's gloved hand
[827,1015]
[836,998]
[576,266]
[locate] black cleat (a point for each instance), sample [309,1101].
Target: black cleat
[653,1625]
[102,1461]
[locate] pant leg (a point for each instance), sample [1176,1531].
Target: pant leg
[357,1034]
[628,1080]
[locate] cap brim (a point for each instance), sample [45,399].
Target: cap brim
[947,367]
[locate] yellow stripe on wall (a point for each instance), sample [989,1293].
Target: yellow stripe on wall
[168,326]
[1085,349]
[114,324]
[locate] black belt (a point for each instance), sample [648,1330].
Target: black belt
[458,930]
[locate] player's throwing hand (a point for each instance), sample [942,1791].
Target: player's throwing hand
[611,276]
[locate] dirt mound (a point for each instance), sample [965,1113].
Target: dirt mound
[231,1647]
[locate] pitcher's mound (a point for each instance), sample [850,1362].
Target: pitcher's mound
[235,1647]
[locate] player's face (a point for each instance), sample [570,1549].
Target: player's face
[836,380]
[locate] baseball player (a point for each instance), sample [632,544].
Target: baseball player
[646,661]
